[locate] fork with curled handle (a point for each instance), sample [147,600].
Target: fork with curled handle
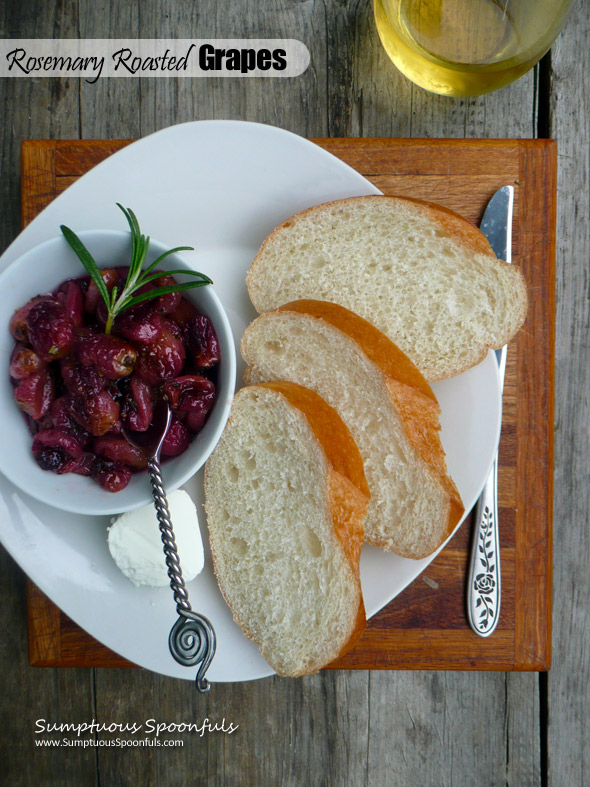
[192,638]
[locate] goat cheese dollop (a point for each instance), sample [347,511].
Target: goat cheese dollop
[136,545]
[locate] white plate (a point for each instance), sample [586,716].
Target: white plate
[220,186]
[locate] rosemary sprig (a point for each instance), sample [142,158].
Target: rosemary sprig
[120,299]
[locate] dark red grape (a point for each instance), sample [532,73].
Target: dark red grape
[183,391]
[71,298]
[137,405]
[81,380]
[193,395]
[112,476]
[18,321]
[140,323]
[97,414]
[202,342]
[119,450]
[60,415]
[177,440]
[183,312]
[166,304]
[113,357]
[35,393]
[56,450]
[24,362]
[195,420]
[51,332]
[162,359]
[61,419]
[174,328]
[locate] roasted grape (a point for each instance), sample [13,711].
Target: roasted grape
[35,393]
[189,393]
[97,414]
[119,450]
[50,330]
[112,476]
[81,380]
[56,450]
[112,357]
[183,312]
[24,362]
[137,406]
[162,359]
[202,343]
[166,304]
[61,419]
[71,298]
[174,328]
[140,324]
[177,439]
[18,322]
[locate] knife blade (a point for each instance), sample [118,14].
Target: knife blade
[484,581]
[496,225]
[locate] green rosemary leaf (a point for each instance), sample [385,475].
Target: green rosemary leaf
[132,228]
[152,265]
[153,276]
[135,222]
[155,293]
[87,261]
[145,244]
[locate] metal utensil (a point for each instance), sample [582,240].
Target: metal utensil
[484,581]
[192,638]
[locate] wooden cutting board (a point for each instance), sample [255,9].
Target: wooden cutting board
[425,627]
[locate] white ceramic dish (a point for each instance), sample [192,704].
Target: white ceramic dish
[220,186]
[54,261]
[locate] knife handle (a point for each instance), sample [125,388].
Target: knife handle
[483,589]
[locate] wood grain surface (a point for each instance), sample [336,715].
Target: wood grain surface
[341,727]
[425,627]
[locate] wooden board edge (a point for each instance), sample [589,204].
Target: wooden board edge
[37,177]
[76,157]
[533,623]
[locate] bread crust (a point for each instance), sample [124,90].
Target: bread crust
[348,496]
[410,393]
[375,344]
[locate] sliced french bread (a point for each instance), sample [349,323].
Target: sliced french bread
[421,273]
[387,405]
[286,497]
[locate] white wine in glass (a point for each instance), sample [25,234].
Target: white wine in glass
[467,47]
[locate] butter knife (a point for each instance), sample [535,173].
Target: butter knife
[484,581]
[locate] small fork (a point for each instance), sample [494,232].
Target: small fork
[192,638]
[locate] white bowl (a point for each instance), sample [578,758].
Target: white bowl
[41,270]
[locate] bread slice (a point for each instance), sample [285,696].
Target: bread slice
[286,497]
[422,274]
[386,403]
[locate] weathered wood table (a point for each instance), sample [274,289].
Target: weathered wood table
[339,727]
